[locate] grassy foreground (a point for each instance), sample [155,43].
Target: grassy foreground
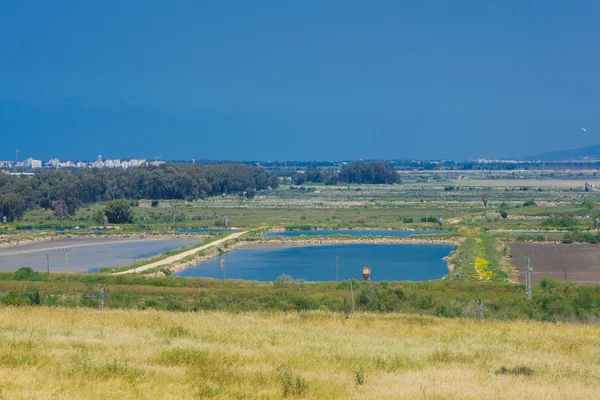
[59,353]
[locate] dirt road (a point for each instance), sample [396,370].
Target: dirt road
[183,255]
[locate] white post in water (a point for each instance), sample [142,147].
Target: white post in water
[528,277]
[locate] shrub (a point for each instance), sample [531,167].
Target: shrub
[408,220]
[359,377]
[529,203]
[518,370]
[286,281]
[155,203]
[27,274]
[293,386]
[567,238]
[503,214]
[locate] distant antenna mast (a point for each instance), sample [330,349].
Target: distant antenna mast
[17,156]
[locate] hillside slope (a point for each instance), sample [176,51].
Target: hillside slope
[581,153]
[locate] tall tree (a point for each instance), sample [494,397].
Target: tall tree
[12,206]
[118,212]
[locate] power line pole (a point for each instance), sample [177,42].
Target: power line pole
[48,262]
[565,269]
[337,259]
[100,297]
[66,251]
[17,157]
[528,277]
[480,311]
[352,291]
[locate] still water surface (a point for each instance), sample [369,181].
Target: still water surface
[85,254]
[388,262]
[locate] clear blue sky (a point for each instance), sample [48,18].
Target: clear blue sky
[297,79]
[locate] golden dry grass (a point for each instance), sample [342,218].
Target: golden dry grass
[55,353]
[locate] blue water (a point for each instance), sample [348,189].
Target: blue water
[532,232]
[354,232]
[388,262]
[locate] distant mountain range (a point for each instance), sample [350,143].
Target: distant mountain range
[581,153]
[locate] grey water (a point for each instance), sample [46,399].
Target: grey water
[85,255]
[355,232]
[388,262]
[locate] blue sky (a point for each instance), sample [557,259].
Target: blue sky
[297,79]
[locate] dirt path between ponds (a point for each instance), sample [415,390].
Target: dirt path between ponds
[181,256]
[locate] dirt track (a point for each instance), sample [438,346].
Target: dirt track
[183,255]
[580,261]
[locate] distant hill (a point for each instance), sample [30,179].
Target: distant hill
[581,153]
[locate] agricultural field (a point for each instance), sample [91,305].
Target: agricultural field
[57,353]
[576,262]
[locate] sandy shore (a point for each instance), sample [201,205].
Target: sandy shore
[295,241]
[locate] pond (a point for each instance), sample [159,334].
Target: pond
[85,255]
[388,262]
[356,232]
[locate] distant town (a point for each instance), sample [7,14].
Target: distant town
[98,163]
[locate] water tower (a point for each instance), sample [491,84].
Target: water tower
[366,273]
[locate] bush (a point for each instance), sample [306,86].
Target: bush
[529,203]
[155,203]
[286,281]
[408,220]
[519,370]
[118,212]
[503,214]
[27,274]
[293,386]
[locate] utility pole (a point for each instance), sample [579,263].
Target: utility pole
[352,291]
[173,219]
[17,157]
[66,251]
[100,297]
[337,259]
[528,277]
[565,269]
[480,311]
[48,262]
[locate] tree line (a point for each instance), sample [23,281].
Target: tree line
[372,172]
[64,191]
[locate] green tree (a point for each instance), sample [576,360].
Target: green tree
[119,212]
[12,206]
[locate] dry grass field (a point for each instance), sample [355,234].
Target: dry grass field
[56,353]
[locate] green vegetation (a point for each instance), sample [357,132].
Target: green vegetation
[118,212]
[552,301]
[66,191]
